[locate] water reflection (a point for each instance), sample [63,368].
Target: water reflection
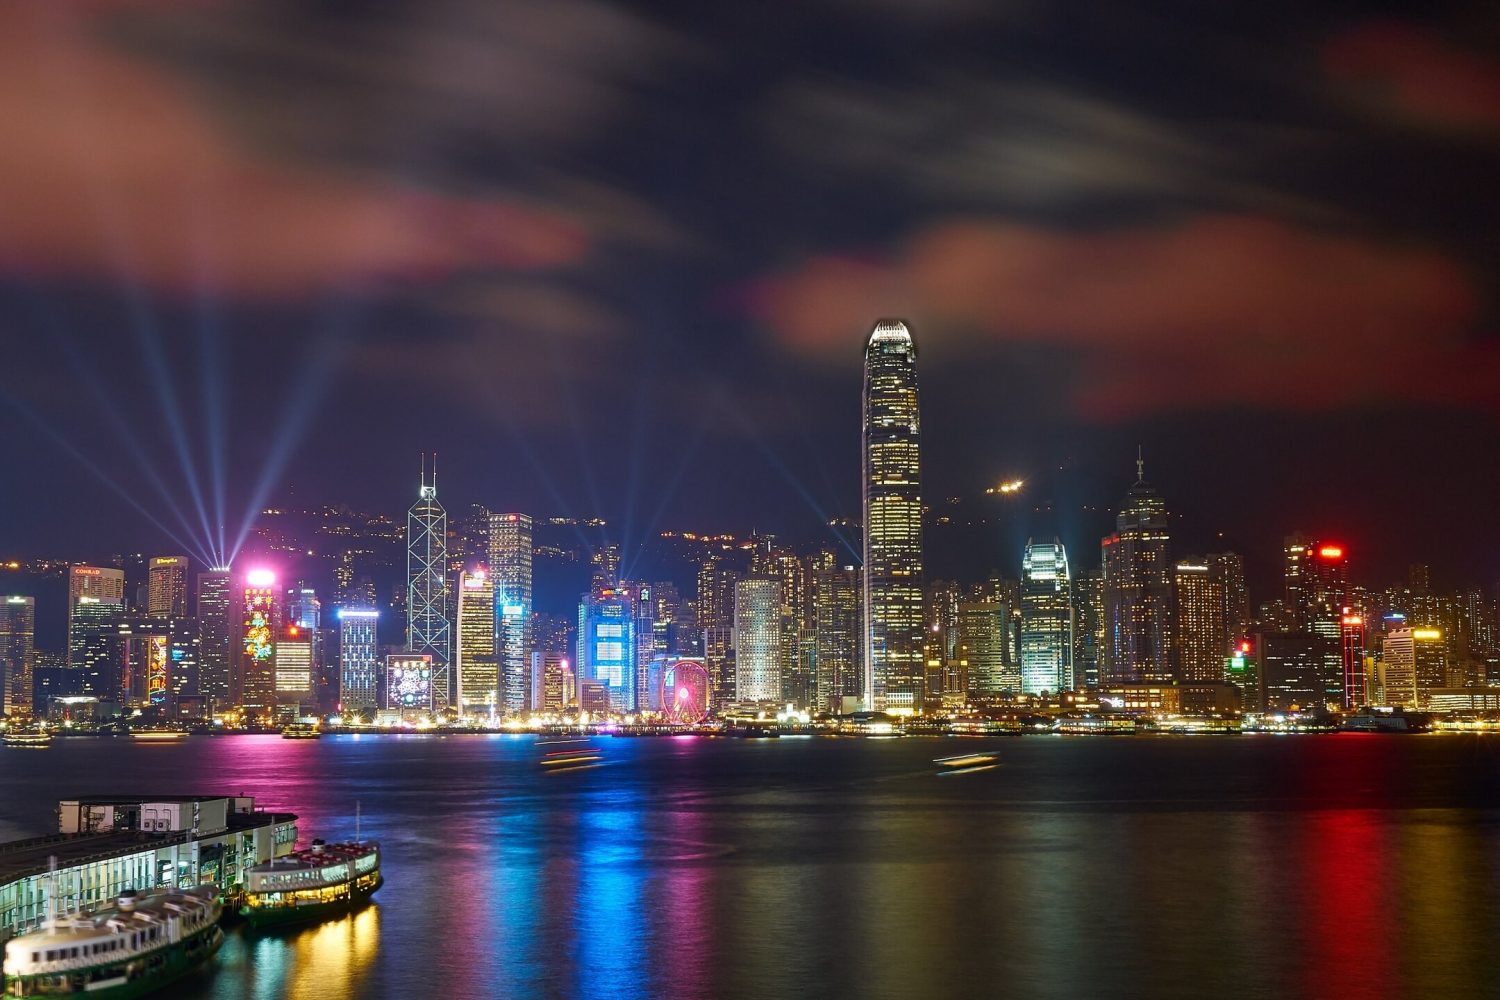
[333,960]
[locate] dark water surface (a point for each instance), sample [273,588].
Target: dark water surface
[1323,866]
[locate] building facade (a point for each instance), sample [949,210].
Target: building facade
[359,660]
[475,660]
[757,640]
[510,552]
[1046,619]
[427,629]
[1138,590]
[892,485]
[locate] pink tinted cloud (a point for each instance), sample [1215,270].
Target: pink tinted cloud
[1416,73]
[1218,310]
[112,167]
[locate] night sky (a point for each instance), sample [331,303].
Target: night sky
[621,259]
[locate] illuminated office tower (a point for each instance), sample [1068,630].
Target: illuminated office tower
[99,593]
[1229,569]
[1325,592]
[475,660]
[837,638]
[983,644]
[757,639]
[1138,590]
[359,660]
[1088,627]
[1296,572]
[510,547]
[552,687]
[1430,663]
[715,609]
[427,632]
[605,560]
[1046,619]
[1292,671]
[17,653]
[1398,664]
[411,685]
[1202,639]
[1352,651]
[166,587]
[892,487]
[303,609]
[216,650]
[294,673]
[260,624]
[606,645]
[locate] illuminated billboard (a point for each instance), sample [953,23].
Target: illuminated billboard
[408,682]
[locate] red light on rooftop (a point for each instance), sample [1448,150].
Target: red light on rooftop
[1331,552]
[1353,620]
[1245,646]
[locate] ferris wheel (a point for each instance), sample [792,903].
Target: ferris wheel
[685,690]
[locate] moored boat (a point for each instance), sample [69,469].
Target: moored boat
[135,946]
[302,731]
[323,881]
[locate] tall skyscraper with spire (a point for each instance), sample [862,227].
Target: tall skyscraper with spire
[893,616]
[1138,589]
[427,628]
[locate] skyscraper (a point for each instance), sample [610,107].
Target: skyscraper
[1352,648]
[1088,627]
[166,587]
[837,637]
[359,660]
[715,609]
[427,631]
[1202,639]
[17,653]
[982,641]
[1046,619]
[606,644]
[892,484]
[94,595]
[476,661]
[294,672]
[255,683]
[510,548]
[757,639]
[1138,590]
[216,637]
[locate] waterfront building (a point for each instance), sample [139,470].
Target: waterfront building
[216,646]
[294,674]
[95,593]
[1352,648]
[607,646]
[106,845]
[757,640]
[983,645]
[1292,669]
[427,629]
[892,507]
[475,660]
[1088,627]
[1202,639]
[552,682]
[359,660]
[411,685]
[1414,662]
[510,554]
[17,653]
[715,611]
[1046,619]
[166,587]
[837,639]
[1138,589]
[1296,560]
[260,624]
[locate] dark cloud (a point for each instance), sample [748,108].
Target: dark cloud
[1215,311]
[1415,74]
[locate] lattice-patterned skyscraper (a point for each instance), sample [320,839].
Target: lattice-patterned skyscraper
[427,629]
[893,619]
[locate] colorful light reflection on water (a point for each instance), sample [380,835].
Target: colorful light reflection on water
[1309,867]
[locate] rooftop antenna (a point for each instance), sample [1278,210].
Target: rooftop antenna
[434,473]
[1140,465]
[423,478]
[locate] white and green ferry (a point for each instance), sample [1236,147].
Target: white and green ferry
[135,946]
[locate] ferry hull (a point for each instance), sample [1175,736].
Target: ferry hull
[181,961]
[283,916]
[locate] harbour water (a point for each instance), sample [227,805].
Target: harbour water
[1319,866]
